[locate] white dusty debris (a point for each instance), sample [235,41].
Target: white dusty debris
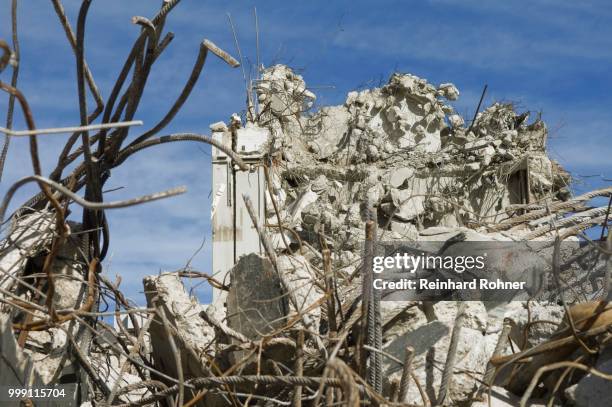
[397,163]
[431,175]
[403,149]
[22,253]
[182,314]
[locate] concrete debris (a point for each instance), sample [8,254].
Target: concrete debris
[526,317]
[420,170]
[44,359]
[403,149]
[283,92]
[254,283]
[28,237]
[182,312]
[289,310]
[592,390]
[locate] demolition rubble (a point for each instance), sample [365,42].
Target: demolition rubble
[403,150]
[292,321]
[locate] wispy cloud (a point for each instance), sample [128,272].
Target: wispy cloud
[496,42]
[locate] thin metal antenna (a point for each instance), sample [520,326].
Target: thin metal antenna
[259,67]
[257,41]
[246,84]
[484,92]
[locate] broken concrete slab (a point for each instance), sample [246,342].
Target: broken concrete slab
[191,334]
[591,390]
[431,343]
[398,176]
[255,303]
[405,230]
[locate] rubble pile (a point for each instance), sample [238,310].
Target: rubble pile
[293,319]
[403,154]
[402,149]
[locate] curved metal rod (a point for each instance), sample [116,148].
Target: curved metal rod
[61,14]
[165,10]
[6,55]
[191,82]
[163,44]
[27,113]
[112,99]
[94,206]
[14,77]
[230,60]
[29,118]
[140,75]
[205,46]
[149,28]
[128,151]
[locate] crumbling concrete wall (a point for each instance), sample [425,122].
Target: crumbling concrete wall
[401,148]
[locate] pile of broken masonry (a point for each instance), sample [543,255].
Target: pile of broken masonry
[290,327]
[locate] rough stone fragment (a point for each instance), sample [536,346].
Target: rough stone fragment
[456,121]
[449,91]
[253,283]
[333,127]
[218,127]
[409,202]
[487,154]
[539,311]
[431,343]
[398,176]
[406,231]
[193,336]
[284,91]
[306,198]
[593,391]
[28,237]
[472,166]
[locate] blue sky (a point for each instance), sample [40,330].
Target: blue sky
[552,56]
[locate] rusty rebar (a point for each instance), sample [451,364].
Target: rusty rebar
[14,77]
[406,374]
